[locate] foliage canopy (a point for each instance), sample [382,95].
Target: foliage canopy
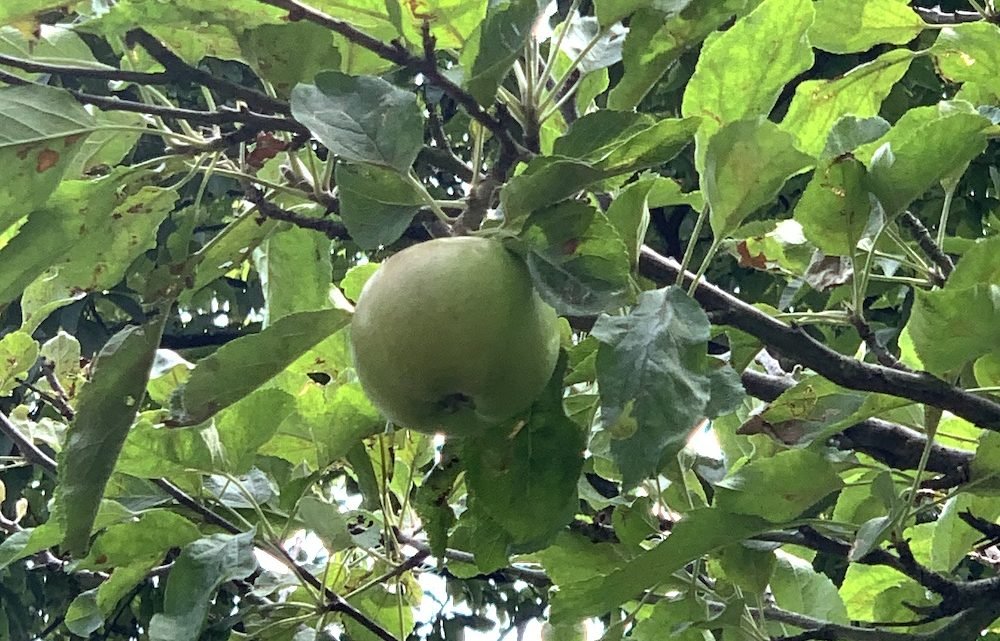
[777,219]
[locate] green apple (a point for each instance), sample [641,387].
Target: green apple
[449,336]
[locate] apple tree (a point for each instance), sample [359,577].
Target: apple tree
[726,368]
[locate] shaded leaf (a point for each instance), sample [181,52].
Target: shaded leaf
[525,476]
[835,209]
[377,205]
[797,587]
[655,378]
[361,119]
[105,411]
[201,568]
[493,48]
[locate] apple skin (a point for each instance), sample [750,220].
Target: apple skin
[449,336]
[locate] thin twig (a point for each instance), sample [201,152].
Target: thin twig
[928,245]
[398,54]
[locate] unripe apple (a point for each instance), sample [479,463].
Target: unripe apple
[450,336]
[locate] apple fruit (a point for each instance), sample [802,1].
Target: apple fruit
[449,336]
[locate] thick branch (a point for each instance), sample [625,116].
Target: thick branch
[840,369]
[895,445]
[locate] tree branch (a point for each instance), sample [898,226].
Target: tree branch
[928,245]
[177,69]
[223,116]
[895,445]
[936,16]
[840,369]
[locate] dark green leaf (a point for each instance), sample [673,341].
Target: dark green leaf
[105,411]
[578,263]
[197,573]
[361,119]
[656,40]
[295,273]
[524,476]
[288,54]
[546,181]
[492,50]
[850,132]
[629,214]
[611,11]
[655,378]
[377,204]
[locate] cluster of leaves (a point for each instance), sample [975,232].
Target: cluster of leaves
[196,191]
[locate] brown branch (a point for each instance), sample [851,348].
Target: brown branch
[928,245]
[31,452]
[177,69]
[223,116]
[842,370]
[894,445]
[332,228]
[882,354]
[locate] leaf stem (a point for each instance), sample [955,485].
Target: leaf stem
[692,241]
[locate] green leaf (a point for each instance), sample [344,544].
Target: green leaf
[611,11]
[288,54]
[797,587]
[577,261]
[735,182]
[820,104]
[18,353]
[721,91]
[431,501]
[923,152]
[953,326]
[385,609]
[243,365]
[803,476]
[201,568]
[451,22]
[361,119]
[850,132]
[847,26]
[650,147]
[968,53]
[355,279]
[655,376]
[574,558]
[657,39]
[953,537]
[114,221]
[295,273]
[546,181]
[105,411]
[525,476]
[250,423]
[109,143]
[145,539]
[700,532]
[153,451]
[746,568]
[835,209]
[978,265]
[629,214]
[377,205]
[41,130]
[594,136]
[90,609]
[327,521]
[493,48]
